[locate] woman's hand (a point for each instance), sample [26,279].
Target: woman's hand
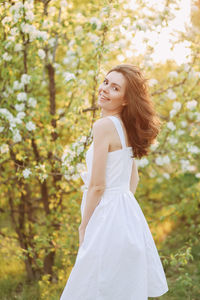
[81,235]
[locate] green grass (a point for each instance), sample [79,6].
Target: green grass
[183,281]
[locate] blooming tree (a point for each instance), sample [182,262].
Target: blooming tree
[53,56]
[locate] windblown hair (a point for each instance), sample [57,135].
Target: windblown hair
[139,117]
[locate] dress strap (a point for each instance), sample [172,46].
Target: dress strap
[118,126]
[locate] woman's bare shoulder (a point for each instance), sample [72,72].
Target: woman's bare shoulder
[103,124]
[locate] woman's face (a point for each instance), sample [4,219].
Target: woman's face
[111,92]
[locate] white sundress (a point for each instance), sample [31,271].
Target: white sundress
[118,259]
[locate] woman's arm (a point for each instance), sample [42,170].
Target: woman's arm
[134,177]
[97,180]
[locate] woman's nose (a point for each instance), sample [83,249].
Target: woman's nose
[104,88]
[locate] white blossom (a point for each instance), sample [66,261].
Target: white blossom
[51,41]
[197,175]
[26,173]
[192,74]
[166,159]
[68,76]
[82,81]
[47,23]
[197,115]
[129,53]
[126,21]
[2,128]
[60,111]
[104,11]
[22,96]
[11,40]
[16,10]
[184,124]
[21,115]
[6,114]
[173,74]
[30,126]
[41,53]
[25,78]
[6,56]
[93,37]
[16,136]
[17,85]
[184,164]
[120,57]
[171,94]
[152,173]
[29,15]
[193,149]
[91,73]
[63,3]
[5,94]
[177,105]
[172,140]
[41,167]
[42,34]
[68,155]
[191,168]
[78,30]
[80,167]
[27,28]
[83,139]
[159,179]
[5,20]
[29,4]
[166,175]
[171,125]
[52,10]
[197,74]
[186,67]
[161,160]
[18,47]
[180,132]
[67,176]
[20,107]
[4,148]
[95,21]
[32,102]
[143,162]
[154,145]
[8,43]
[75,176]
[153,82]
[172,113]
[80,149]
[191,104]
[16,7]
[14,31]
[33,31]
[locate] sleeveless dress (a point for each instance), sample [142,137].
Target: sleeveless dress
[118,259]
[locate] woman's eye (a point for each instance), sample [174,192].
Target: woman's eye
[116,89]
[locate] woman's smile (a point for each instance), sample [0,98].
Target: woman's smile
[102,97]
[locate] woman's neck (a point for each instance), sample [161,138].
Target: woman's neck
[103,114]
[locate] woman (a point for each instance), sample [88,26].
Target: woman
[117,257]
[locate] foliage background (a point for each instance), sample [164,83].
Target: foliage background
[53,55]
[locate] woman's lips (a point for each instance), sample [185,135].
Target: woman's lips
[104,98]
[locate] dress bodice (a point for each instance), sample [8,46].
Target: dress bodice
[119,162]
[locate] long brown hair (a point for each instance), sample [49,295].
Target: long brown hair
[139,116]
